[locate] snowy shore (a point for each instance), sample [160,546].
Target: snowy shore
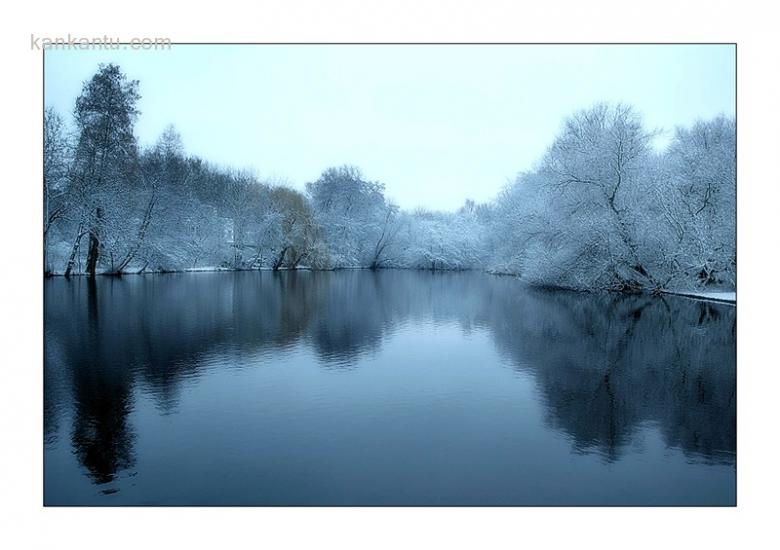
[726,297]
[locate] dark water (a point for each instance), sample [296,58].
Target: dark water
[395,387]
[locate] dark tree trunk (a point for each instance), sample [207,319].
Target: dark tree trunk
[140,239]
[93,252]
[94,244]
[298,259]
[280,260]
[74,252]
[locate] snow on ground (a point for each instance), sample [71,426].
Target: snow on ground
[206,268]
[715,296]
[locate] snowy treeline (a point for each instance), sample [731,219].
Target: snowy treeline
[601,210]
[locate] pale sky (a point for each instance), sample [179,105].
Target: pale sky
[437,124]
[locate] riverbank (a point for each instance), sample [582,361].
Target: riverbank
[725,297]
[171,271]
[240,269]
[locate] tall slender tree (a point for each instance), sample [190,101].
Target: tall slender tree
[106,153]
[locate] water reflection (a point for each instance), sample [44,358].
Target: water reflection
[604,365]
[607,364]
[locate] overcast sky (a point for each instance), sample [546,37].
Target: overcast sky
[436,124]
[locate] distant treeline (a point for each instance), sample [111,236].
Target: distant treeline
[601,210]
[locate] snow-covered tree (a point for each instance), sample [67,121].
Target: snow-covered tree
[601,210]
[57,153]
[358,224]
[106,159]
[604,211]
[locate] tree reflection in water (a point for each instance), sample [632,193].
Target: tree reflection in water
[605,365]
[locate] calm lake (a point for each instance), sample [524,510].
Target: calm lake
[382,388]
